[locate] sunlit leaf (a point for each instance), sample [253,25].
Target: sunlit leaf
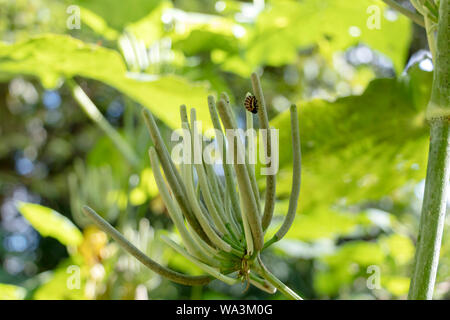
[340,268]
[400,248]
[11,292]
[66,282]
[52,57]
[360,147]
[397,285]
[98,24]
[116,13]
[50,223]
[332,25]
[317,224]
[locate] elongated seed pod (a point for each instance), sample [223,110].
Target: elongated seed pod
[203,181]
[227,168]
[234,125]
[212,271]
[296,179]
[199,213]
[175,214]
[178,189]
[264,124]
[144,259]
[250,208]
[250,166]
[296,175]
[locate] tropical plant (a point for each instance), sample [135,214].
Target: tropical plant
[355,69]
[226,236]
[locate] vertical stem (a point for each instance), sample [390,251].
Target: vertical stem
[95,115]
[433,212]
[438,171]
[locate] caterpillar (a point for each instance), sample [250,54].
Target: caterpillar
[250,103]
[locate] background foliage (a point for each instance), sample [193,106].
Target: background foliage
[361,85]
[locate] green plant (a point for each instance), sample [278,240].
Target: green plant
[435,17]
[224,235]
[438,171]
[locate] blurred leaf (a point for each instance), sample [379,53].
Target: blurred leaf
[359,147]
[204,41]
[50,223]
[57,285]
[322,223]
[348,262]
[98,24]
[116,13]
[400,248]
[285,26]
[359,252]
[150,28]
[51,57]
[146,189]
[11,292]
[396,285]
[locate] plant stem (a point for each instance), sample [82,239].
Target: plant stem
[438,172]
[433,212]
[417,18]
[284,289]
[95,115]
[138,254]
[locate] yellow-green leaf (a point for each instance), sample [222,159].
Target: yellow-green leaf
[50,223]
[11,292]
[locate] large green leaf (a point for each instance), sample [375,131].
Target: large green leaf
[51,57]
[389,253]
[56,285]
[338,272]
[320,223]
[50,223]
[359,147]
[286,25]
[11,292]
[117,13]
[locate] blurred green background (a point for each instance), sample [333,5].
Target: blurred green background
[360,73]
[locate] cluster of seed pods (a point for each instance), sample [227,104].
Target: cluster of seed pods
[221,220]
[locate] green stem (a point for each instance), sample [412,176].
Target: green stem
[418,19]
[95,115]
[438,171]
[138,254]
[433,212]
[284,289]
[212,271]
[262,284]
